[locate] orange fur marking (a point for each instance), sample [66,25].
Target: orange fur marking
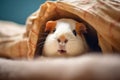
[50,26]
[62,38]
[80,27]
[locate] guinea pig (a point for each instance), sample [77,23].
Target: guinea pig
[65,38]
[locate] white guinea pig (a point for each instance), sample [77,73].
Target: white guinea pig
[65,38]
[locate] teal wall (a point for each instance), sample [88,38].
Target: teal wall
[18,10]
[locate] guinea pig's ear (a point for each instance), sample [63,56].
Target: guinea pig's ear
[80,27]
[50,25]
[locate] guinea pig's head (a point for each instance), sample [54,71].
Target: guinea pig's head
[65,38]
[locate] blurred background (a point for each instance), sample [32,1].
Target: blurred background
[18,10]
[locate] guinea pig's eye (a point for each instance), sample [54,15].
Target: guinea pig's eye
[74,32]
[54,30]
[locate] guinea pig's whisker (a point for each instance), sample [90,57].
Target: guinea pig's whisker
[41,43]
[41,46]
[44,33]
[42,38]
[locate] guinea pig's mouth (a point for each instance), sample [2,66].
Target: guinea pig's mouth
[62,51]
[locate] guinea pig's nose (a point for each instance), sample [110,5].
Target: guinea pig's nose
[62,39]
[65,41]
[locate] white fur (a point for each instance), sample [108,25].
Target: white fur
[75,45]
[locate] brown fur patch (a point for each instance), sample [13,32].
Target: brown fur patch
[80,27]
[50,26]
[62,38]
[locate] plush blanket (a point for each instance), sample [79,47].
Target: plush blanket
[12,41]
[102,15]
